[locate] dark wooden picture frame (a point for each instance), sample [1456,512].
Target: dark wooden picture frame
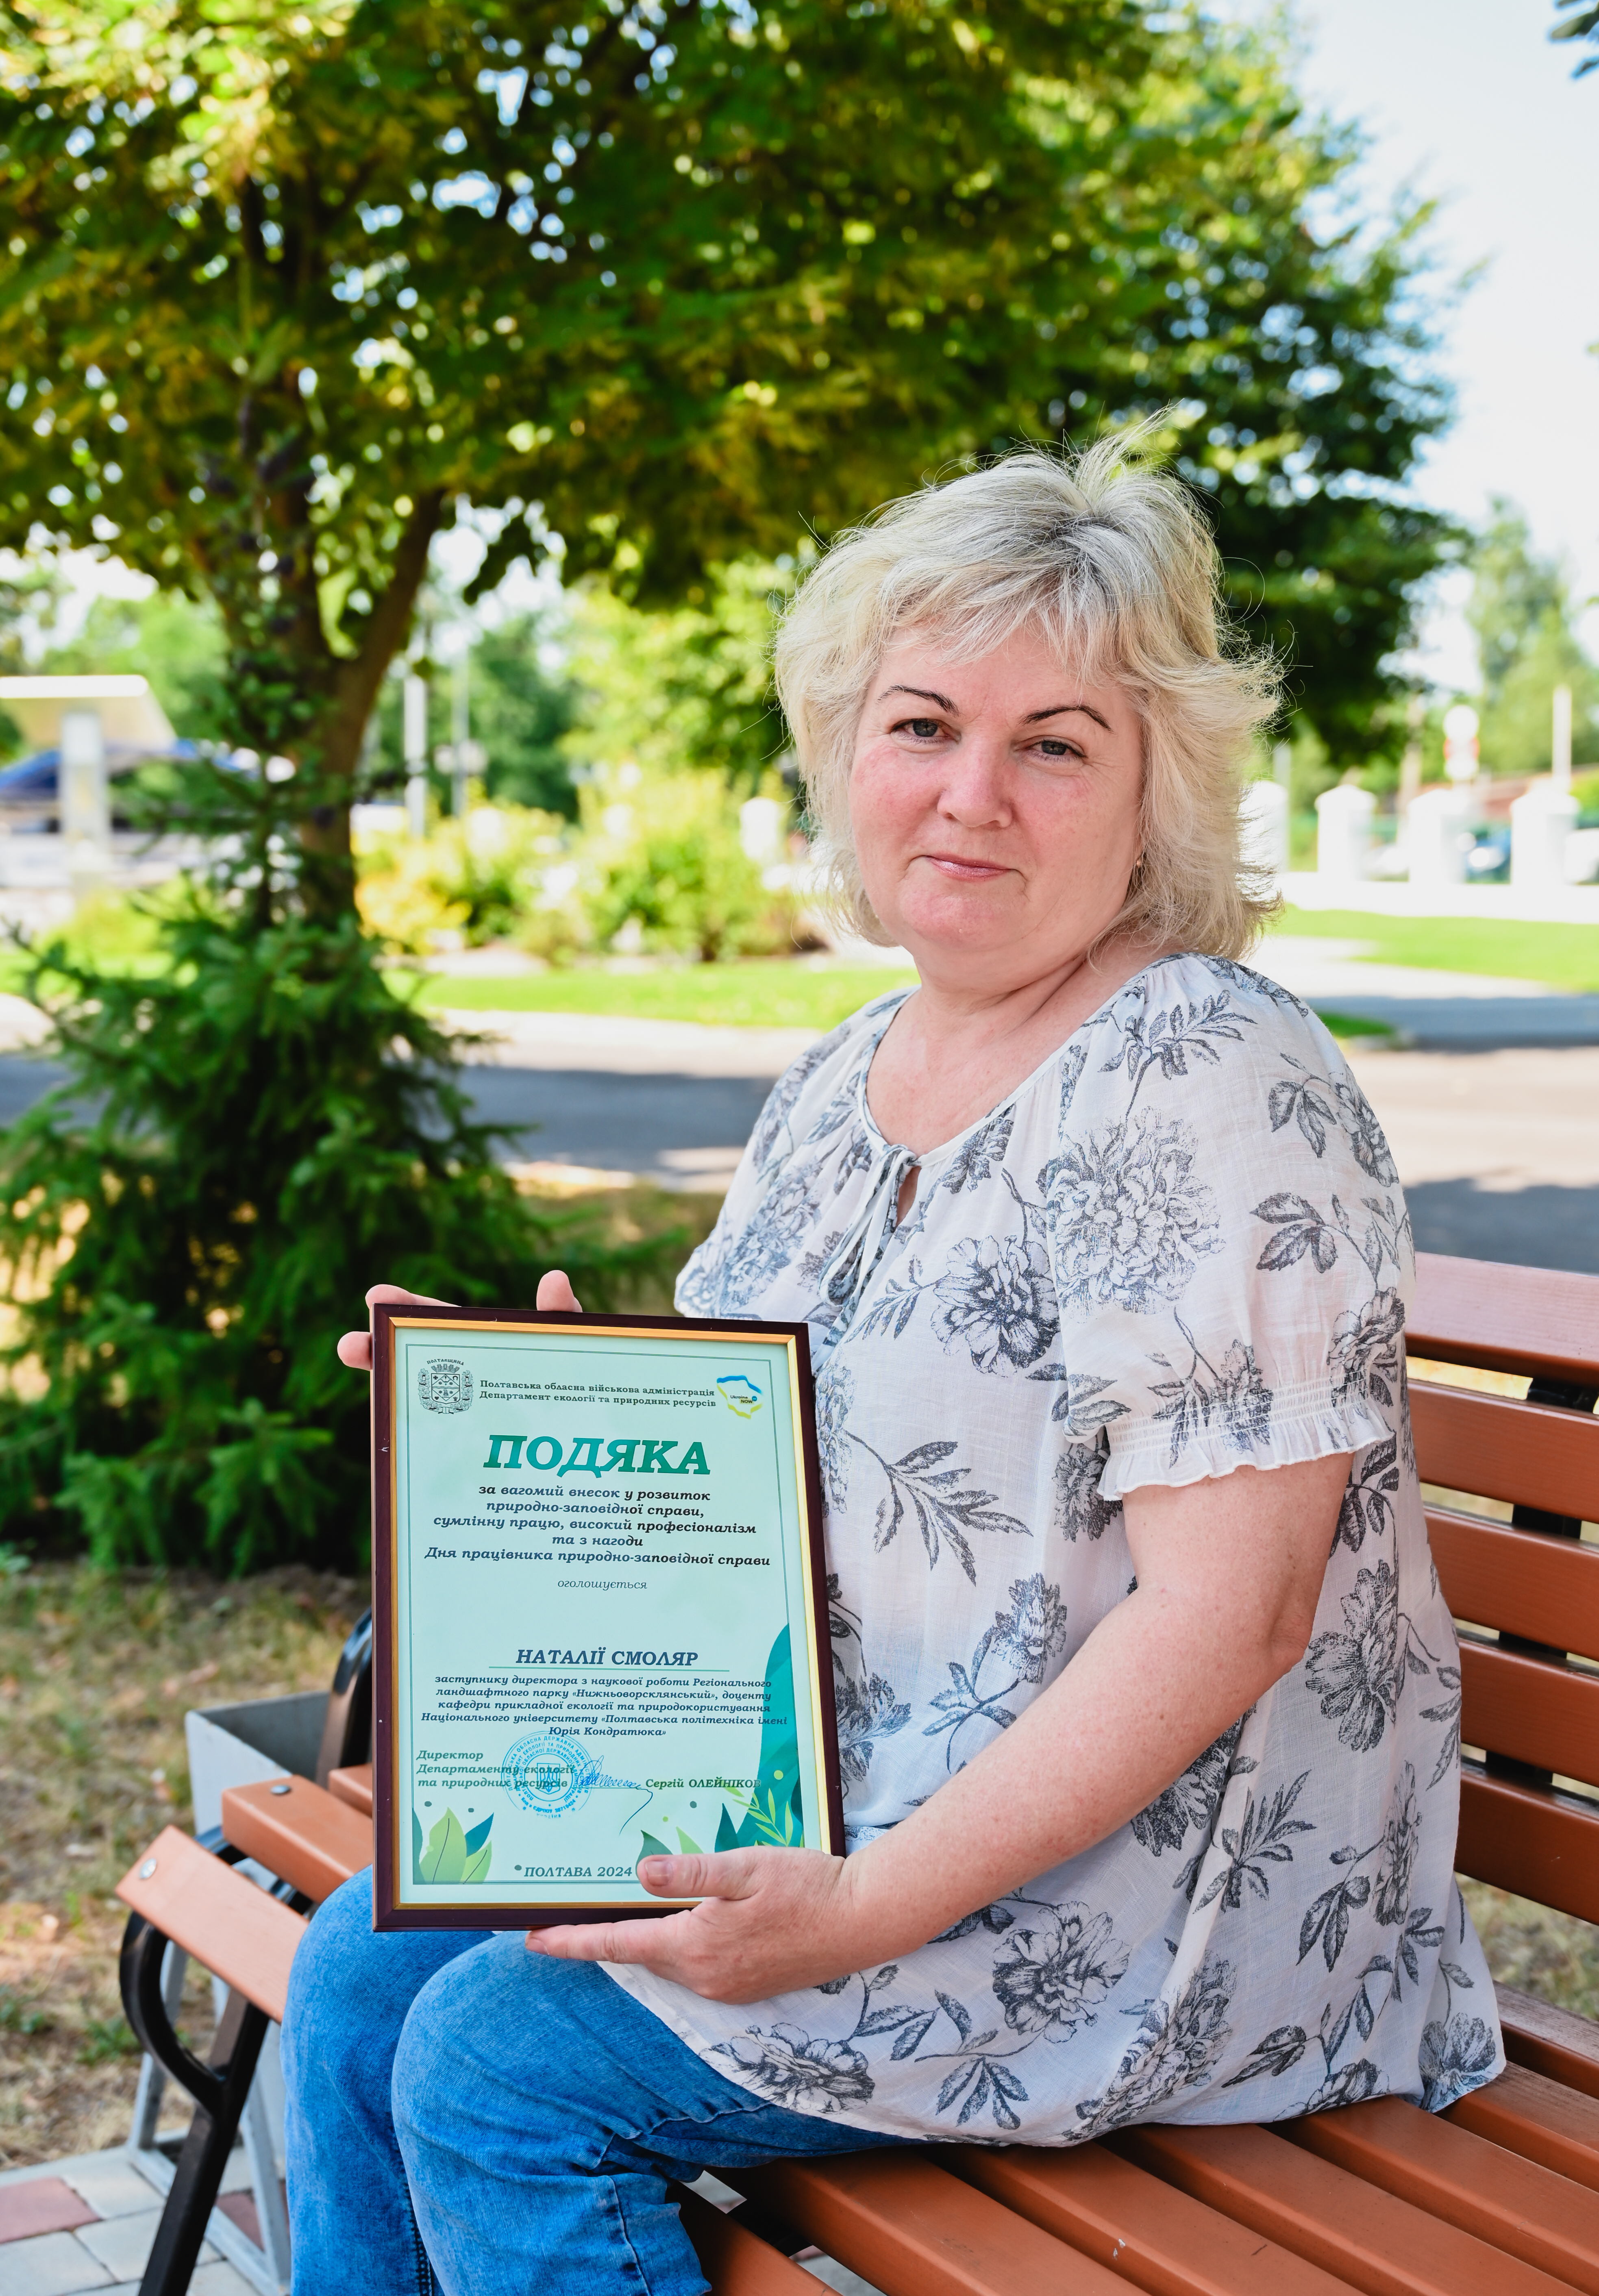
[387,1912]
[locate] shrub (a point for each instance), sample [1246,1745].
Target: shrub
[479,877]
[664,850]
[248,1140]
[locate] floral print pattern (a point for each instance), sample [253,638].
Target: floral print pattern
[1179,1247]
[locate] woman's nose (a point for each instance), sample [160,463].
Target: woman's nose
[976,783]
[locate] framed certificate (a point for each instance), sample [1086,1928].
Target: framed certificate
[600,1609]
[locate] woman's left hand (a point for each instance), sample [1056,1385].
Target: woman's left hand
[771,1920]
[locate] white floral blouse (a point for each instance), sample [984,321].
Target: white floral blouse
[1180,1245]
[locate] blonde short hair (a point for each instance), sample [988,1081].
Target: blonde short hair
[1112,561]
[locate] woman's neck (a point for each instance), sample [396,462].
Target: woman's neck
[954,1051]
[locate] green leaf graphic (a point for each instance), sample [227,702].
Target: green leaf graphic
[691,1848]
[476,1868]
[445,1858]
[726,1831]
[652,1849]
[416,1875]
[777,1786]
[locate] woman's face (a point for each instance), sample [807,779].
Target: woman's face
[995,806]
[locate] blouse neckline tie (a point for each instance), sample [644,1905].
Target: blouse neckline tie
[854,1263]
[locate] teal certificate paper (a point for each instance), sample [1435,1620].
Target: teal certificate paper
[600,1609]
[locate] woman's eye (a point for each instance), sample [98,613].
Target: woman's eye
[925,729]
[1051,748]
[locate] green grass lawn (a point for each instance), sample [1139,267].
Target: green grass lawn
[758,993]
[753,994]
[1567,956]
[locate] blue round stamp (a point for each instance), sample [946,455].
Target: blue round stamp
[549,1773]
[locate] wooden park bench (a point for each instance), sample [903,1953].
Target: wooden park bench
[1498,2196]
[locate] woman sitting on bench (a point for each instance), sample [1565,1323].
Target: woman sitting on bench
[1143,1675]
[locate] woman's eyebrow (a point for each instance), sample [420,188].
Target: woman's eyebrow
[1034,716]
[922,693]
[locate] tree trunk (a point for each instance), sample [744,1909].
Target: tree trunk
[330,885]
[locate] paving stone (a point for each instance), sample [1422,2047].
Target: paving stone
[123,2243]
[112,2185]
[219,2279]
[57,2264]
[45,2204]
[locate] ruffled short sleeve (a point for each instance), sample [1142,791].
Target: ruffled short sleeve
[1228,1238]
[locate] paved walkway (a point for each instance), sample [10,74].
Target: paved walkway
[89,2222]
[1450,1012]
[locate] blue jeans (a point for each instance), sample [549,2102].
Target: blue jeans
[468,2118]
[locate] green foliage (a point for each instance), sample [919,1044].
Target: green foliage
[280,291]
[664,854]
[1514,594]
[1584,24]
[105,2040]
[1521,615]
[520,711]
[175,642]
[19,2016]
[686,687]
[477,877]
[30,594]
[1517,734]
[249,1140]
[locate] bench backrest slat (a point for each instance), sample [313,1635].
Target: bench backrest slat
[1533,1711]
[1527,1453]
[1520,1581]
[1535,1841]
[1539,1321]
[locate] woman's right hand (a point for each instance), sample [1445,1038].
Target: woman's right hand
[555,1296]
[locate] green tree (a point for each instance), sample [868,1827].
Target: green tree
[522,702]
[280,291]
[173,641]
[686,686]
[29,594]
[521,709]
[1521,615]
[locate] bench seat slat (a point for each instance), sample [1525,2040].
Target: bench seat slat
[1529,1708]
[1554,2042]
[1534,1840]
[1157,2237]
[1354,2230]
[231,1927]
[1465,2180]
[735,2260]
[912,2229]
[1540,1321]
[1523,1582]
[1530,1454]
[354,1785]
[302,1835]
[1537,2118]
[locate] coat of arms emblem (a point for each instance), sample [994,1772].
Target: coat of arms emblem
[443,1385]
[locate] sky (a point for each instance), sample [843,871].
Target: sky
[1469,103]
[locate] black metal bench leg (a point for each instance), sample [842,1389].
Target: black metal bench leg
[182,2231]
